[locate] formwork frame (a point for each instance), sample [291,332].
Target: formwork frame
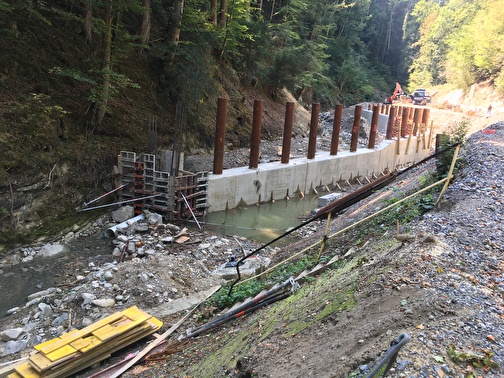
[158,191]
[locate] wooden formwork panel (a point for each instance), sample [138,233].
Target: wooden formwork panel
[78,349]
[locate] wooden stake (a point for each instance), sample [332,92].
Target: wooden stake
[322,245]
[450,174]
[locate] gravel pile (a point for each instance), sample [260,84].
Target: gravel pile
[465,278]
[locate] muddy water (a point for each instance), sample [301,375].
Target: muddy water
[264,222]
[20,280]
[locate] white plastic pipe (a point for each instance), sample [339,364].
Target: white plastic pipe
[111,232]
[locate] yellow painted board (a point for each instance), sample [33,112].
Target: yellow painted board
[93,343]
[80,344]
[109,332]
[25,370]
[14,375]
[57,339]
[155,323]
[54,344]
[134,312]
[61,353]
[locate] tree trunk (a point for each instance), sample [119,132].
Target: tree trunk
[88,23]
[213,12]
[175,22]
[389,30]
[223,14]
[146,23]
[174,30]
[107,64]
[272,10]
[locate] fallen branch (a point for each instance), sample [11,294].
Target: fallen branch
[48,185]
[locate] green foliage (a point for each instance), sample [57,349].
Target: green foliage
[483,361]
[29,136]
[456,132]
[460,42]
[499,83]
[251,288]
[117,83]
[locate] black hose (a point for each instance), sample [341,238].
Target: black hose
[225,318]
[390,356]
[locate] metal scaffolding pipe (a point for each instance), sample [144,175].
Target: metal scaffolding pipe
[255,142]
[312,139]
[355,128]
[220,136]
[390,123]
[287,133]
[374,126]
[338,112]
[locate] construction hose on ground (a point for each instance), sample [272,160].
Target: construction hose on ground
[226,317]
[390,356]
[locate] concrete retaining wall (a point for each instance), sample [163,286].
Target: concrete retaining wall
[245,186]
[382,120]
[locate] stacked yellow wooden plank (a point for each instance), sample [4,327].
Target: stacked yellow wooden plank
[78,349]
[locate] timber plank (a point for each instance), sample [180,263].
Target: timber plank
[25,370]
[133,312]
[54,344]
[113,330]
[61,353]
[79,349]
[95,342]
[14,375]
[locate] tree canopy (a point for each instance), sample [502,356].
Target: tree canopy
[460,43]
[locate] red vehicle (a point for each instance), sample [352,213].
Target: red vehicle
[395,96]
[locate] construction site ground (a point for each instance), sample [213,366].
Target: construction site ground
[439,279]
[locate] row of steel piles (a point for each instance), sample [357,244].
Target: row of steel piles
[405,115]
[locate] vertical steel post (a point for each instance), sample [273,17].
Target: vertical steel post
[338,112]
[312,139]
[404,121]
[287,133]
[355,128]
[390,123]
[220,136]
[417,117]
[255,141]
[374,126]
[425,116]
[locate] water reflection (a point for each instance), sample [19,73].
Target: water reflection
[264,222]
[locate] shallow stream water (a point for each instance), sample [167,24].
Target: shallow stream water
[261,223]
[265,222]
[18,281]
